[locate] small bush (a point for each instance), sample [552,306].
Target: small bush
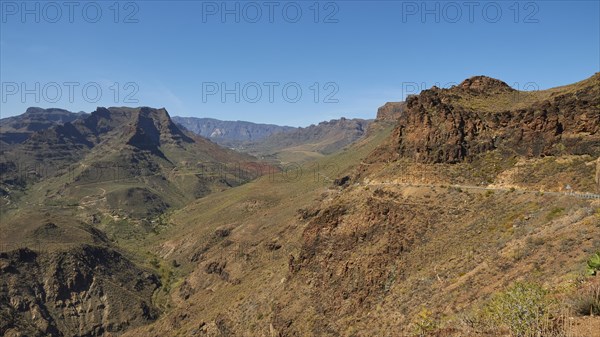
[524,309]
[154,262]
[554,213]
[587,300]
[424,323]
[567,245]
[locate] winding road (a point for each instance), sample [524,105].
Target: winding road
[482,188]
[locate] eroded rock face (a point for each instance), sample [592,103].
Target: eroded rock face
[447,125]
[348,261]
[484,84]
[391,111]
[85,291]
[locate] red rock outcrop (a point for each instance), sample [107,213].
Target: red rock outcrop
[391,111]
[483,114]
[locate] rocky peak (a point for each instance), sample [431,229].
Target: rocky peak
[51,111]
[158,117]
[101,113]
[484,84]
[390,111]
[449,126]
[150,128]
[95,287]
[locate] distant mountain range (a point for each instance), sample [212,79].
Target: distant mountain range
[17,129]
[312,141]
[283,143]
[140,146]
[152,152]
[230,133]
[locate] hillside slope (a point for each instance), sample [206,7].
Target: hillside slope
[84,291]
[137,148]
[234,247]
[78,198]
[400,240]
[310,142]
[415,229]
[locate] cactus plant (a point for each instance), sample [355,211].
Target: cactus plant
[593,264]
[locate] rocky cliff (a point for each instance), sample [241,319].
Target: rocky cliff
[484,114]
[391,111]
[84,291]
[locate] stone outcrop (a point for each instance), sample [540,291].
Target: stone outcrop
[85,291]
[390,111]
[483,114]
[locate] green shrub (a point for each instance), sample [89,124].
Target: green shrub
[424,323]
[593,264]
[154,262]
[523,309]
[554,213]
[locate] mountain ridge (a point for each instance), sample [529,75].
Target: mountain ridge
[230,133]
[143,143]
[426,217]
[16,129]
[448,125]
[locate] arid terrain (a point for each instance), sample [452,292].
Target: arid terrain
[472,210]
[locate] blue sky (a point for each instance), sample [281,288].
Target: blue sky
[182,55]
